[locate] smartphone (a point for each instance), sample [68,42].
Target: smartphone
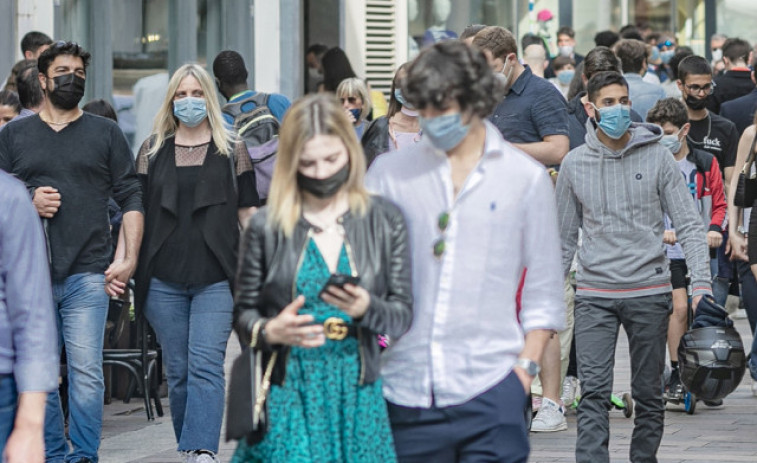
[339,280]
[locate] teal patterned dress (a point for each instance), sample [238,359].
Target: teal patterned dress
[320,414]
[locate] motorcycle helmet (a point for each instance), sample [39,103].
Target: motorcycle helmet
[711,361]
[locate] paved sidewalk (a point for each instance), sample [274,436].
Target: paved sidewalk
[723,435]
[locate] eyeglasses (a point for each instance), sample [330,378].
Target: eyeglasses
[706,88]
[440,244]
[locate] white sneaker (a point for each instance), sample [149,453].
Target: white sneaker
[195,457]
[739,314]
[754,388]
[550,418]
[569,390]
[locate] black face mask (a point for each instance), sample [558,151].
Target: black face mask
[695,103]
[324,187]
[68,91]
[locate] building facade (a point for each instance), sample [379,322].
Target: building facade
[133,39]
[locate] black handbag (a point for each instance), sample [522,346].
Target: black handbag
[746,187]
[247,407]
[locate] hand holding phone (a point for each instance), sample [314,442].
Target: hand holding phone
[353,300]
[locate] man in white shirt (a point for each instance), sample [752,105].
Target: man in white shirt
[479,212]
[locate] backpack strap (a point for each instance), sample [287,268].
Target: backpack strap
[235,109]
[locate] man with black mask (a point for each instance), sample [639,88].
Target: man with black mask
[709,132]
[719,137]
[71,163]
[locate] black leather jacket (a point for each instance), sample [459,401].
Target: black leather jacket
[269,262]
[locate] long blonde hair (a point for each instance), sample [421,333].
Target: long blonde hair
[318,114]
[166,123]
[355,87]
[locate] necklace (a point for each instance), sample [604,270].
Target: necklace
[60,123]
[709,129]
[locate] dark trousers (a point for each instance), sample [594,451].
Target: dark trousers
[645,320]
[488,428]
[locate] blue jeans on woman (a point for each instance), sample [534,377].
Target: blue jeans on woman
[193,324]
[81,311]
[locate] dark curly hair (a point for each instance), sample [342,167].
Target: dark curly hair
[668,110]
[451,70]
[61,48]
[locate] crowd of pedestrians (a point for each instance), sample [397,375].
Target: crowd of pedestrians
[420,275]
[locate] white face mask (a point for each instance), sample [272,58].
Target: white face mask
[504,76]
[566,50]
[313,73]
[717,54]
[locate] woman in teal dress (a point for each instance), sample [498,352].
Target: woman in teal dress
[325,402]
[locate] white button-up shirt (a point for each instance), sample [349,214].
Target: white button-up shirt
[466,335]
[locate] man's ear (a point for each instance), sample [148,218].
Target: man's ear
[42,81]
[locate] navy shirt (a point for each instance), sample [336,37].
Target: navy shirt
[532,110]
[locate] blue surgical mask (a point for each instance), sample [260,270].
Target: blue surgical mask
[401,99]
[190,110]
[667,55]
[672,142]
[356,113]
[445,132]
[614,120]
[564,77]
[655,55]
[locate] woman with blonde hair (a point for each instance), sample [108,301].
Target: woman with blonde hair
[323,269]
[198,185]
[356,101]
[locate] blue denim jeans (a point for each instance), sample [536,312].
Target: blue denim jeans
[193,324]
[81,310]
[8,404]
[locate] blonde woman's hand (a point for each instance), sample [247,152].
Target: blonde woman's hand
[291,329]
[350,116]
[351,299]
[738,244]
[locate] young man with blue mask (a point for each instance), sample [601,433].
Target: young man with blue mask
[479,212]
[617,188]
[701,173]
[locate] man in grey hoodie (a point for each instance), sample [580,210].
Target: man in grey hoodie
[617,187]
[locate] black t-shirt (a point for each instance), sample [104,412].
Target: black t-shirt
[88,161]
[716,135]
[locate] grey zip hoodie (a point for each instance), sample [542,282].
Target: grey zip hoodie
[619,199]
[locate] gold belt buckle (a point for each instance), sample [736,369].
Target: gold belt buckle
[335,328]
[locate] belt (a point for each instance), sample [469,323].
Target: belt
[337,329]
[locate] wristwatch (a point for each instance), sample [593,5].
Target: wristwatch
[529,366]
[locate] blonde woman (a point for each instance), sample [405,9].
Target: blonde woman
[325,403]
[356,102]
[198,184]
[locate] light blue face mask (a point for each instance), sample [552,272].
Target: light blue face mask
[190,110]
[666,55]
[445,132]
[614,120]
[401,99]
[672,142]
[655,55]
[564,77]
